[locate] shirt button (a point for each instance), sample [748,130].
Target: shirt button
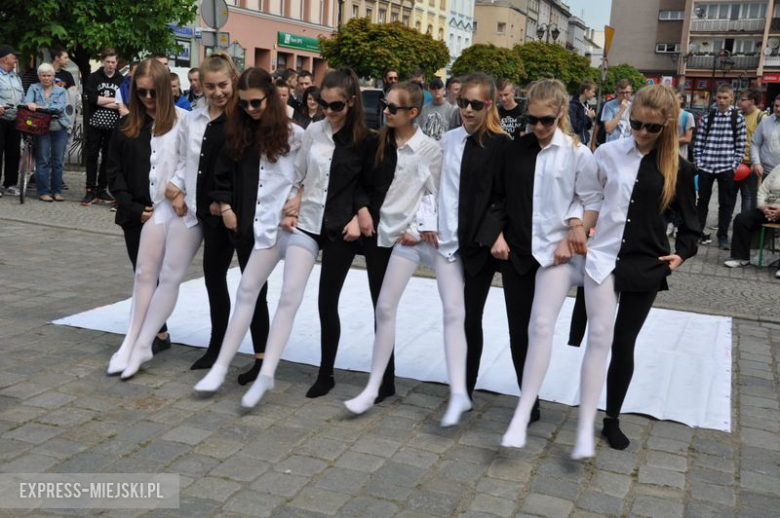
[624,240]
[632,201]
[636,181]
[199,172]
[256,220]
[261,185]
[628,220]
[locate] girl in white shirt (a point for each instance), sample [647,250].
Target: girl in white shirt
[551,189]
[168,242]
[261,145]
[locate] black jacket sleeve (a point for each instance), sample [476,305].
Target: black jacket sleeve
[224,171]
[368,151]
[495,218]
[684,204]
[117,178]
[90,88]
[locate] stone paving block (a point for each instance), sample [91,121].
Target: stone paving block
[545,505]
[711,476]
[759,482]
[387,491]
[667,461]
[342,480]
[240,468]
[280,484]
[141,431]
[712,493]
[23,390]
[415,457]
[431,443]
[304,466]
[436,504]
[322,448]
[212,488]
[360,462]
[86,462]
[610,483]
[193,506]
[669,430]
[714,462]
[50,400]
[34,433]
[649,506]
[21,413]
[376,446]
[134,464]
[186,434]
[600,502]
[470,454]
[68,417]
[320,500]
[488,504]
[29,463]
[561,467]
[364,506]
[195,465]
[398,474]
[59,448]
[163,451]
[760,439]
[661,477]
[499,488]
[461,471]
[508,469]
[252,503]
[261,449]
[668,445]
[702,510]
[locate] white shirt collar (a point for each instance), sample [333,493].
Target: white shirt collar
[414,142]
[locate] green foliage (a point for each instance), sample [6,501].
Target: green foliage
[370,48]
[495,61]
[624,71]
[549,60]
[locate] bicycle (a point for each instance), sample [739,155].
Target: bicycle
[30,125]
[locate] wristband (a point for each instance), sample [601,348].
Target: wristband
[224,211]
[576,225]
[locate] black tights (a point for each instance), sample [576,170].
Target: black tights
[476,289]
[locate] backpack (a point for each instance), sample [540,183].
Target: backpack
[734,118]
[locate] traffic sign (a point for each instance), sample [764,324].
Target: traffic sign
[214,13]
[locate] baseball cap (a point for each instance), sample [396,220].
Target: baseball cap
[7,49]
[435,83]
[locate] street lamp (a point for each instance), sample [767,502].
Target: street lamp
[725,63]
[550,30]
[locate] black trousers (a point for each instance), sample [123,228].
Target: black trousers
[377,259]
[476,289]
[747,189]
[10,142]
[631,315]
[519,297]
[725,181]
[97,145]
[744,225]
[133,243]
[217,255]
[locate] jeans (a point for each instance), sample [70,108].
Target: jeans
[49,156]
[725,181]
[10,142]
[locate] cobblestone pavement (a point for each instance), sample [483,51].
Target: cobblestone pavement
[293,456]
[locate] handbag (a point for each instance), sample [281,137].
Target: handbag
[34,123]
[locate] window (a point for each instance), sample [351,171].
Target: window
[382,15]
[745,46]
[671,15]
[394,17]
[667,48]
[475,26]
[355,11]
[441,34]
[406,21]
[430,29]
[418,26]
[500,28]
[369,13]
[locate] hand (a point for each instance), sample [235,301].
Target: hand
[562,253]
[578,242]
[432,238]
[230,220]
[351,230]
[591,113]
[500,249]
[292,206]
[32,107]
[146,214]
[171,191]
[214,209]
[2,111]
[366,222]
[674,261]
[179,207]
[407,240]
[288,223]
[624,104]
[758,169]
[123,111]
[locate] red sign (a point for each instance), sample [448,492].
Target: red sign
[772,78]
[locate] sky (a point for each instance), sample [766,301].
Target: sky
[596,12]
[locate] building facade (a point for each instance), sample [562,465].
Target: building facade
[460,28]
[550,16]
[382,11]
[575,37]
[500,22]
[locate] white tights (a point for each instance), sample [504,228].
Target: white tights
[259,267]
[449,278]
[552,285]
[298,264]
[601,301]
[165,252]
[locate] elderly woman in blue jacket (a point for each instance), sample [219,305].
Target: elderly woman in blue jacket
[49,148]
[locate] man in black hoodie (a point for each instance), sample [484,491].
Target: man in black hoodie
[581,114]
[101,89]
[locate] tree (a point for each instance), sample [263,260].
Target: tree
[370,48]
[624,71]
[498,62]
[549,60]
[86,26]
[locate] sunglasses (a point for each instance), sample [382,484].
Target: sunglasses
[254,103]
[547,121]
[475,105]
[392,108]
[392,79]
[335,106]
[143,92]
[650,128]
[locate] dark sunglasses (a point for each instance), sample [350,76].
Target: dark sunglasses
[392,108]
[650,128]
[335,106]
[254,103]
[143,92]
[547,121]
[475,105]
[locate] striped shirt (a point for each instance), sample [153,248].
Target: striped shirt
[718,151]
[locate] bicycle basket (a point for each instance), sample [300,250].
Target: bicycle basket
[34,123]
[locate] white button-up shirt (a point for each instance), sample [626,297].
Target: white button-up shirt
[164,158]
[187,170]
[618,167]
[274,188]
[312,171]
[453,144]
[417,174]
[565,184]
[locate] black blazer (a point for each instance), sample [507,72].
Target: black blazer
[236,183]
[479,168]
[127,170]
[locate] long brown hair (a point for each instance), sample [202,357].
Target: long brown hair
[164,109]
[411,95]
[492,122]
[552,93]
[662,99]
[220,61]
[268,136]
[346,80]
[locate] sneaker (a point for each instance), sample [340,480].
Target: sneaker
[65,187]
[113,208]
[12,191]
[777,274]
[706,239]
[103,196]
[723,243]
[58,197]
[736,263]
[89,198]
[47,198]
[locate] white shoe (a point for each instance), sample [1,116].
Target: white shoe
[736,263]
[12,191]
[777,274]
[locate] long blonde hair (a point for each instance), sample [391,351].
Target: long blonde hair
[164,110]
[492,120]
[662,99]
[553,93]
